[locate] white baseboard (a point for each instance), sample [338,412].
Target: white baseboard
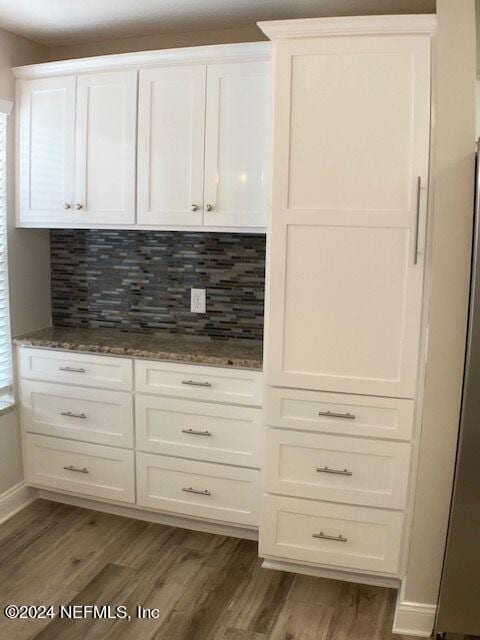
[15,499]
[413,618]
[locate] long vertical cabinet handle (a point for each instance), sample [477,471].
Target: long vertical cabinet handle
[417,229]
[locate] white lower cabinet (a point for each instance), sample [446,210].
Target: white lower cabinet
[185,440]
[89,469]
[340,413]
[196,382]
[200,489]
[78,413]
[73,368]
[205,431]
[336,480]
[337,468]
[312,532]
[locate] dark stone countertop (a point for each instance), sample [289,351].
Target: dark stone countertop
[157,346]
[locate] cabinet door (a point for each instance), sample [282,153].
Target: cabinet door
[236,144]
[171,127]
[105,148]
[349,210]
[46,129]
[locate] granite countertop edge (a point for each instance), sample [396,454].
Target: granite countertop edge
[186,355]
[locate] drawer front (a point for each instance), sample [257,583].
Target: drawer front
[79,413]
[356,538]
[200,430]
[236,386]
[309,465]
[88,469]
[389,418]
[70,367]
[200,489]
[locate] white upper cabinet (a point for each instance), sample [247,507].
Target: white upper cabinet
[203,145]
[351,144]
[105,147]
[45,158]
[171,127]
[198,158]
[236,144]
[76,150]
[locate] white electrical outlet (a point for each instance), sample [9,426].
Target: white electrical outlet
[198,300]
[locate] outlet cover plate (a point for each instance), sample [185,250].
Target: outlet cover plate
[198,300]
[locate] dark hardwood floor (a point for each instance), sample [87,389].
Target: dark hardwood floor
[206,587]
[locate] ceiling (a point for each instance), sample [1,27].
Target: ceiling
[63,22]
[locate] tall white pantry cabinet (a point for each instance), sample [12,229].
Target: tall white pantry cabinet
[345,286]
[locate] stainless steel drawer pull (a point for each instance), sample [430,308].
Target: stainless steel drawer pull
[193,383]
[69,414]
[323,536]
[339,472]
[194,432]
[333,414]
[76,469]
[203,492]
[72,370]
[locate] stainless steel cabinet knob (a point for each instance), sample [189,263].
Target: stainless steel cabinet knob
[66,206]
[209,207]
[78,206]
[194,207]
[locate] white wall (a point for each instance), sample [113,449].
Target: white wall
[453,155]
[29,254]
[160,41]
[10,451]
[29,258]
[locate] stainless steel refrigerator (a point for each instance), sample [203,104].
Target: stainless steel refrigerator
[459,603]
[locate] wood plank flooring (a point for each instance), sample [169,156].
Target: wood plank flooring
[206,587]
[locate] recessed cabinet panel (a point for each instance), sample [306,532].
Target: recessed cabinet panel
[363,157]
[105,148]
[196,382]
[353,538]
[46,129]
[78,413]
[201,430]
[358,123]
[334,468]
[71,367]
[79,467]
[237,136]
[199,489]
[171,127]
[351,311]
[340,413]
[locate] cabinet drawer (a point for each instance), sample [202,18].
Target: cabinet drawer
[89,469]
[200,430]
[236,386]
[356,538]
[323,467]
[200,489]
[70,367]
[79,413]
[340,413]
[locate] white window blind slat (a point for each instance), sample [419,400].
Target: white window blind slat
[5,334]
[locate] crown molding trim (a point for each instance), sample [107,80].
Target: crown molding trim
[184,55]
[356,25]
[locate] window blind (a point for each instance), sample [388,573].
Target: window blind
[5,337]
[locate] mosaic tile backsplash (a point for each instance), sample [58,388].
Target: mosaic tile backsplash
[140,281]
